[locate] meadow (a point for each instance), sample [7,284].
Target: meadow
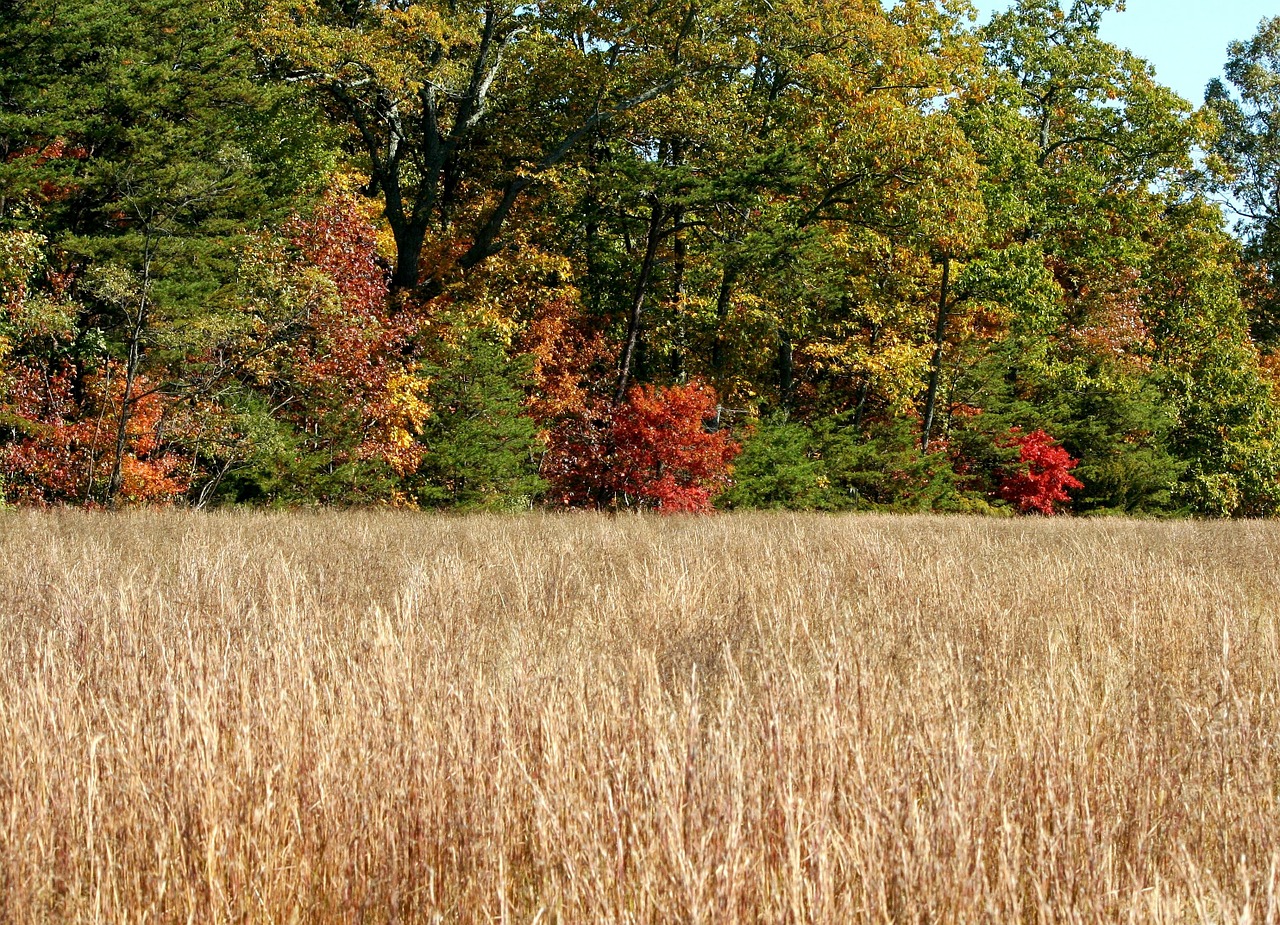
[386,717]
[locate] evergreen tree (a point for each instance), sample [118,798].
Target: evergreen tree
[482,449]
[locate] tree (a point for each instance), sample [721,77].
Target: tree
[457,109]
[655,451]
[1245,160]
[148,131]
[1040,481]
[316,339]
[778,469]
[1228,419]
[1081,153]
[481,447]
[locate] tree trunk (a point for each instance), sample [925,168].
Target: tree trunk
[679,255]
[720,347]
[632,342]
[139,326]
[116,480]
[409,237]
[786,368]
[935,365]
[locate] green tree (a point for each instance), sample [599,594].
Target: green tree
[778,469]
[1228,421]
[1245,162]
[482,447]
[1082,154]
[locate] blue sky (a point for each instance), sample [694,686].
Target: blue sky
[1186,40]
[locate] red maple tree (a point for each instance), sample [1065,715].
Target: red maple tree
[65,439]
[341,370]
[1042,477]
[653,451]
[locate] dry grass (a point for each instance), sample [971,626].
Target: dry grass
[378,717]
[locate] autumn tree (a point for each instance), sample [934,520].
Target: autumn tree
[167,149]
[660,450]
[319,372]
[456,110]
[1041,480]
[742,210]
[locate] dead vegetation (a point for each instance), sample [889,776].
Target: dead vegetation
[384,717]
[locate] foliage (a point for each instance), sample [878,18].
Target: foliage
[778,469]
[481,447]
[137,142]
[317,338]
[62,443]
[1042,478]
[654,451]
[1211,373]
[885,469]
[1116,421]
[449,254]
[1244,160]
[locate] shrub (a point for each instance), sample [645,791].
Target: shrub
[778,470]
[654,451]
[1042,478]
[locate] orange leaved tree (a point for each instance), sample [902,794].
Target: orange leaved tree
[659,450]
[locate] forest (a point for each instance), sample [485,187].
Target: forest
[683,255]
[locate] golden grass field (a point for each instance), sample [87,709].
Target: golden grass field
[389,717]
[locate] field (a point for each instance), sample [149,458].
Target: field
[388,717]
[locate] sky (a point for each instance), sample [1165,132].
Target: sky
[1186,40]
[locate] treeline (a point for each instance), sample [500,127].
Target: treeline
[674,253]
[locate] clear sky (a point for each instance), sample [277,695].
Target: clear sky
[1186,40]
